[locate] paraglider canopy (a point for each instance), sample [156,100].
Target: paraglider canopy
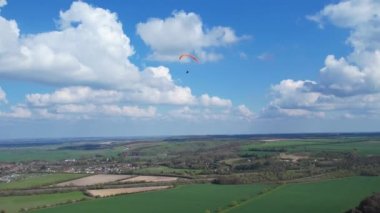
[187,55]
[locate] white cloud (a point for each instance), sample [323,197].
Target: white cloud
[289,93]
[199,114]
[348,13]
[87,58]
[76,108]
[70,95]
[3,96]
[184,32]
[94,51]
[94,102]
[341,78]
[357,73]
[91,111]
[91,49]
[46,114]
[206,100]
[130,111]
[17,112]
[245,112]
[347,85]
[3,3]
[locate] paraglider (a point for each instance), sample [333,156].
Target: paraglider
[187,55]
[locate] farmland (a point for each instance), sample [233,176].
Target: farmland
[13,204]
[190,198]
[326,196]
[205,173]
[38,180]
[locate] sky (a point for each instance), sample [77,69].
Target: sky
[111,68]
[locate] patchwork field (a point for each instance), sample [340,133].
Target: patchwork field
[112,192]
[326,196]
[184,199]
[94,179]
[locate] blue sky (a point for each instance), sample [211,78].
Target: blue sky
[111,68]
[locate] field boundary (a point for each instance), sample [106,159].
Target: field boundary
[275,188]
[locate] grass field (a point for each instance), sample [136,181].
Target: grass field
[14,204]
[364,147]
[36,180]
[27,154]
[184,199]
[327,196]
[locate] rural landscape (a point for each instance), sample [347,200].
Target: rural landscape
[189,106]
[242,173]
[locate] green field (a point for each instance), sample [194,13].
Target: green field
[364,147]
[53,154]
[326,196]
[37,180]
[14,204]
[184,199]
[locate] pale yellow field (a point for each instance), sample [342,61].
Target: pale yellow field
[94,179]
[149,179]
[111,192]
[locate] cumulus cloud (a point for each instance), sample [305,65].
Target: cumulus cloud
[17,112]
[206,100]
[71,95]
[357,73]
[184,32]
[245,113]
[76,108]
[130,111]
[198,114]
[89,48]
[347,85]
[87,58]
